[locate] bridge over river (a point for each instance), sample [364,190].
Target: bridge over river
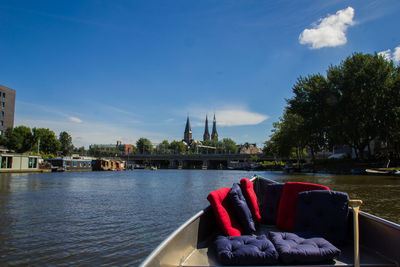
[196,161]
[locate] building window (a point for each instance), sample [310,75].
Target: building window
[32,163]
[2,123]
[3,105]
[9,162]
[2,115]
[4,95]
[75,164]
[1,132]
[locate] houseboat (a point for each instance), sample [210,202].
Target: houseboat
[10,162]
[70,164]
[108,165]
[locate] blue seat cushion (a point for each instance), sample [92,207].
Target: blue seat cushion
[270,205]
[322,213]
[242,211]
[245,250]
[294,249]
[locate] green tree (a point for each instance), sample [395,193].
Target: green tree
[47,141]
[358,102]
[390,130]
[66,143]
[163,147]
[362,83]
[254,158]
[314,101]
[177,147]
[80,150]
[18,138]
[144,146]
[229,146]
[288,137]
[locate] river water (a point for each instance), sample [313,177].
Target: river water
[118,218]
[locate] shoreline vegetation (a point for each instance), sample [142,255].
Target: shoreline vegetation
[353,110]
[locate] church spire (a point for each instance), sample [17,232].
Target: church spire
[187,136]
[206,135]
[214,134]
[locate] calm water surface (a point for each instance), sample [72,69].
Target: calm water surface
[118,218]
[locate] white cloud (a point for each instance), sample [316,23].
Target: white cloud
[75,119]
[229,116]
[396,54]
[330,31]
[237,117]
[388,55]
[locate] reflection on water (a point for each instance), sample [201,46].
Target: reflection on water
[117,218]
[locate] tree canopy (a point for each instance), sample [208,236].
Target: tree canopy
[22,139]
[177,147]
[18,139]
[46,140]
[144,146]
[66,143]
[355,103]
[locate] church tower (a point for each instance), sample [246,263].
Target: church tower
[206,135]
[214,134]
[187,136]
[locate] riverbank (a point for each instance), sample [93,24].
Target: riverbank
[24,171]
[344,166]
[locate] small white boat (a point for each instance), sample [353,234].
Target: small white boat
[191,243]
[379,172]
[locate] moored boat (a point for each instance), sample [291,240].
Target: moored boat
[383,172]
[192,243]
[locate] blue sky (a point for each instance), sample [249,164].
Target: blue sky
[120,70]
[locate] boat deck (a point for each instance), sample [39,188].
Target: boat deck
[192,243]
[205,255]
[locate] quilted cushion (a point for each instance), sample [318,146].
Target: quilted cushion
[294,249]
[272,196]
[245,250]
[287,205]
[251,198]
[222,208]
[242,211]
[322,213]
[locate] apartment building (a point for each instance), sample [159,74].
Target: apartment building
[7,108]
